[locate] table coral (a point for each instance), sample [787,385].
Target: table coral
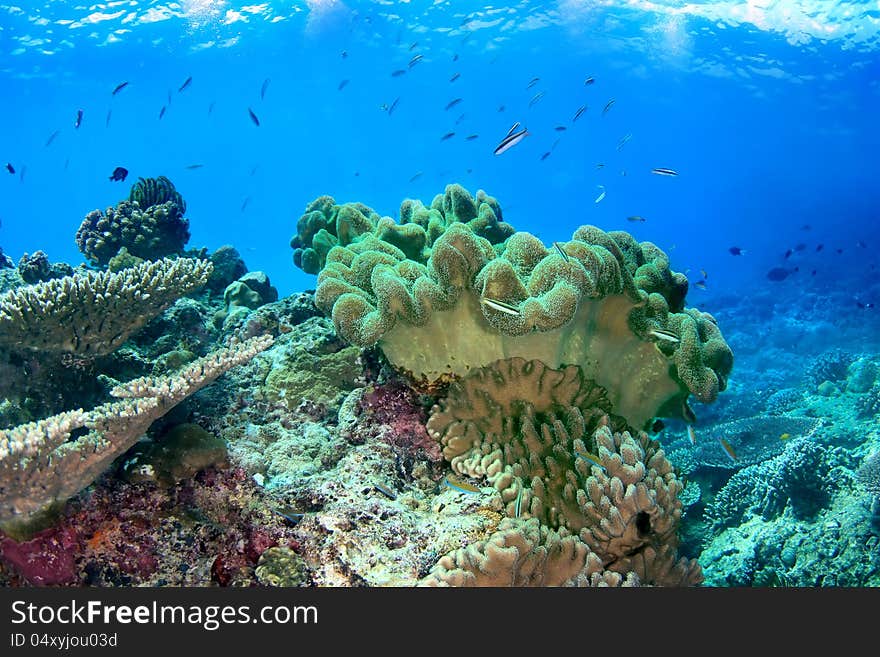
[601,301]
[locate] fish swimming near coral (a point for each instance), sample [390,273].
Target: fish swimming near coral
[692,434]
[728,449]
[664,335]
[561,250]
[590,458]
[500,306]
[119,173]
[461,486]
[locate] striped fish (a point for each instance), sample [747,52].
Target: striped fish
[500,306]
[460,486]
[511,140]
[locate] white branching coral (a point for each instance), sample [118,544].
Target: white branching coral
[94,313]
[44,462]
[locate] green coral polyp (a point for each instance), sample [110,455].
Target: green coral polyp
[436,295]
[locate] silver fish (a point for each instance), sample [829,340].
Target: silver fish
[602,195]
[662,171]
[500,306]
[577,115]
[607,107]
[538,96]
[513,128]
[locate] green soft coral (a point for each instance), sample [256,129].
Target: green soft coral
[601,301]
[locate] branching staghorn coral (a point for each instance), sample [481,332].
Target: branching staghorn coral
[94,313]
[45,462]
[600,301]
[542,439]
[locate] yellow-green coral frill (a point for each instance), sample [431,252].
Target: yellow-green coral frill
[600,301]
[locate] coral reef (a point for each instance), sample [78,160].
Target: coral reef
[45,462]
[95,313]
[596,301]
[147,192]
[540,437]
[868,404]
[149,225]
[36,268]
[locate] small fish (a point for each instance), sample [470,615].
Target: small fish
[79,119]
[592,459]
[590,80]
[460,486]
[413,45]
[455,77]
[607,107]
[448,135]
[688,413]
[342,85]
[703,273]
[785,436]
[728,449]
[787,254]
[859,244]
[577,115]
[415,60]
[863,306]
[185,84]
[290,516]
[119,87]
[254,117]
[263,88]
[635,218]
[819,247]
[662,171]
[692,434]
[52,137]
[561,251]
[511,140]
[393,105]
[602,195]
[533,82]
[517,506]
[701,284]
[658,426]
[24,170]
[623,140]
[455,57]
[162,112]
[245,203]
[211,106]
[500,306]
[735,250]
[560,128]
[107,120]
[194,166]
[545,156]
[806,227]
[471,137]
[600,166]
[416,177]
[10,168]
[452,103]
[387,492]
[513,128]
[778,274]
[344,54]
[397,73]
[664,335]
[838,251]
[254,169]
[459,119]
[119,173]
[538,96]
[501,108]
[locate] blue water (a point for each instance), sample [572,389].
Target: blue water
[768,114]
